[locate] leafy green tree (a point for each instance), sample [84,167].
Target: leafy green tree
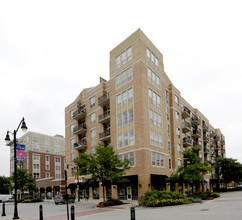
[5,185]
[191,171]
[102,166]
[228,170]
[25,181]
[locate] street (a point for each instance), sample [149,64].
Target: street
[228,206]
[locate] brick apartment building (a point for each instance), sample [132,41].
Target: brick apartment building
[144,117]
[45,158]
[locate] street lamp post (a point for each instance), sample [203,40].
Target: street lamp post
[7,139]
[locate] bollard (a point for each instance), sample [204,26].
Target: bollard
[40,212]
[72,212]
[132,213]
[3,213]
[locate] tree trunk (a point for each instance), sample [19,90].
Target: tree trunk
[103,193]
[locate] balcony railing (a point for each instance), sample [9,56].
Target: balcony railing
[80,113]
[187,142]
[104,118]
[206,139]
[186,126]
[212,144]
[185,112]
[196,120]
[81,145]
[80,129]
[212,133]
[105,136]
[196,133]
[206,150]
[104,100]
[205,127]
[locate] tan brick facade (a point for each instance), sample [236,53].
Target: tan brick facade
[144,117]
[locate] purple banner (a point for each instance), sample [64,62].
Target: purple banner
[20,152]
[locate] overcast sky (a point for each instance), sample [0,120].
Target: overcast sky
[51,50]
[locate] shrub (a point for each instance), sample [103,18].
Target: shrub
[206,195]
[110,202]
[33,200]
[157,198]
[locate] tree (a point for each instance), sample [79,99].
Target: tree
[25,181]
[228,170]
[191,171]
[102,166]
[5,185]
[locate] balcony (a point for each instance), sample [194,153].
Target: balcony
[104,118]
[217,138]
[196,120]
[205,127]
[222,142]
[196,133]
[80,113]
[217,147]
[213,154]
[81,145]
[104,100]
[206,139]
[80,129]
[212,133]
[186,126]
[105,136]
[187,142]
[212,144]
[185,112]
[206,150]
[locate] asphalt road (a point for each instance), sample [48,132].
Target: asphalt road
[227,207]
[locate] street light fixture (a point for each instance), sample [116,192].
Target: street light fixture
[7,140]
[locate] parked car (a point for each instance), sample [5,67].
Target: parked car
[62,198]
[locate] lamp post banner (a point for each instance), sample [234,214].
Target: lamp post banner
[20,152]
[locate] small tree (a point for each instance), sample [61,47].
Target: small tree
[228,170]
[191,171]
[102,166]
[5,185]
[25,181]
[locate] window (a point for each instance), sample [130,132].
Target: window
[93,150]
[92,101]
[130,95]
[47,141]
[150,96]
[131,138]
[36,175]
[118,61]
[119,119]
[178,148]
[57,168]
[130,156]
[47,162]
[57,143]
[47,150]
[159,121]
[47,175]
[71,113]
[152,58]
[72,128]
[169,147]
[57,151]
[158,159]
[131,116]
[170,167]
[93,118]
[124,57]
[119,100]
[179,163]
[151,116]
[36,148]
[178,132]
[93,134]
[126,139]
[176,100]
[35,139]
[149,75]
[167,113]
[124,77]
[125,118]
[36,165]
[120,141]
[177,116]
[72,142]
[158,101]
[167,97]
[124,97]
